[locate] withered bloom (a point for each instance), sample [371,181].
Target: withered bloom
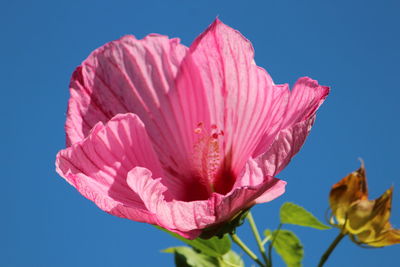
[365,221]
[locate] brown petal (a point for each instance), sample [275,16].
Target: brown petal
[350,189]
[376,224]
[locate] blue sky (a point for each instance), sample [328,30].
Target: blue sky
[352,46]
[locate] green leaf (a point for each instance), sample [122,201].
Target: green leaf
[231,259]
[294,214]
[212,247]
[187,257]
[288,246]
[217,245]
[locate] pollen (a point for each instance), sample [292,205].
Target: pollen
[199,128]
[206,154]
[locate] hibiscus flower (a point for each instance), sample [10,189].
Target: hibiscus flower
[184,138]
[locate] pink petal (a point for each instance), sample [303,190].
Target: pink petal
[98,165]
[277,116]
[186,218]
[304,101]
[305,98]
[137,76]
[253,185]
[107,199]
[242,100]
[273,192]
[251,175]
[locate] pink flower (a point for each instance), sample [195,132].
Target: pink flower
[184,138]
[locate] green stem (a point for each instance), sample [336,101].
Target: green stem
[257,236]
[272,244]
[330,249]
[248,251]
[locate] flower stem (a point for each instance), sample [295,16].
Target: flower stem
[248,251]
[271,245]
[328,252]
[257,236]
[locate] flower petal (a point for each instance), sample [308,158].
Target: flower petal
[241,97]
[98,165]
[280,99]
[253,187]
[370,215]
[186,218]
[137,76]
[304,101]
[306,97]
[387,238]
[347,191]
[273,192]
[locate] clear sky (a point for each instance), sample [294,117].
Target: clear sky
[352,46]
